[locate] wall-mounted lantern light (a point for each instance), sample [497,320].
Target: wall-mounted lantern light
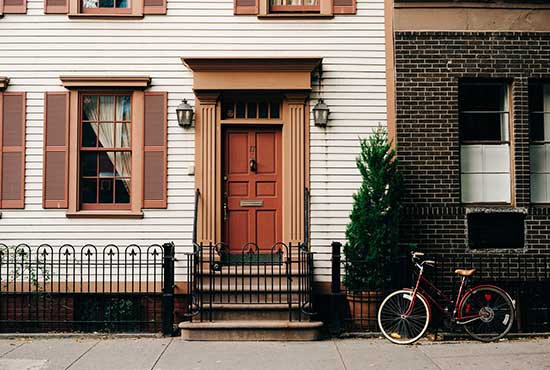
[185,114]
[320,113]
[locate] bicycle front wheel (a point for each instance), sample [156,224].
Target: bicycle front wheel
[495,310]
[398,327]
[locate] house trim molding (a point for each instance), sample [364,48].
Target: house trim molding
[252,73]
[78,82]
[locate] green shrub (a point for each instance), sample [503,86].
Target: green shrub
[372,234]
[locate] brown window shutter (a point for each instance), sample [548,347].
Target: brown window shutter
[154,6]
[344,6]
[15,6]
[12,155]
[155,150]
[56,150]
[56,6]
[246,6]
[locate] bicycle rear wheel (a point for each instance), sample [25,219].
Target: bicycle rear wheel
[398,327]
[496,312]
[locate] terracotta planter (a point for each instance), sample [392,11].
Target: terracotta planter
[363,309]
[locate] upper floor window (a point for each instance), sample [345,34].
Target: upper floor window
[484,142]
[294,5]
[539,132]
[105,8]
[295,8]
[112,6]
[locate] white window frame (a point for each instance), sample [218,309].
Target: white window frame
[540,154]
[485,166]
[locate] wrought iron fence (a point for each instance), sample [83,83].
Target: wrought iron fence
[280,275]
[525,277]
[68,288]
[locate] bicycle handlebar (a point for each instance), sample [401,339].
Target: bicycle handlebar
[417,255]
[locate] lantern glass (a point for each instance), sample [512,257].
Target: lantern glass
[185,114]
[320,113]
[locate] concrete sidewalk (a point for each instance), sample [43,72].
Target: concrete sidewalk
[346,354]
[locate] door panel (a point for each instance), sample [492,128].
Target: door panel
[252,191]
[266,230]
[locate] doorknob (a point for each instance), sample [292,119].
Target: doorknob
[253,165]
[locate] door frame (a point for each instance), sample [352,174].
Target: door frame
[208,163]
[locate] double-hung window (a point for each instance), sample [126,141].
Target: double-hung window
[539,132]
[294,5]
[484,142]
[103,6]
[105,151]
[294,8]
[105,147]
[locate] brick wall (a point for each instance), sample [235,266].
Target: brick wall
[428,68]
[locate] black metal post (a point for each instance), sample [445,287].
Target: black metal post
[168,290]
[336,260]
[336,297]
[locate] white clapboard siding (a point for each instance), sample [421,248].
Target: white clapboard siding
[35,49]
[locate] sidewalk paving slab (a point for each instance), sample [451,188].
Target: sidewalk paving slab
[16,364]
[57,353]
[472,348]
[496,362]
[8,346]
[360,354]
[123,354]
[250,356]
[513,355]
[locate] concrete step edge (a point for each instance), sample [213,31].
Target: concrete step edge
[250,324]
[251,306]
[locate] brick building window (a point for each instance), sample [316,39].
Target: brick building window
[539,129]
[484,142]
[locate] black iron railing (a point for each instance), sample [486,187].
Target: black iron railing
[525,277]
[87,288]
[280,275]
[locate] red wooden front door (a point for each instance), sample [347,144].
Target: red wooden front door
[252,188]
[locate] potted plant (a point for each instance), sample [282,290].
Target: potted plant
[372,233]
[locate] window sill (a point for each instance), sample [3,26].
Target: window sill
[105,16]
[105,214]
[294,15]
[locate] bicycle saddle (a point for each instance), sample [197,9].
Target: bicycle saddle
[462,272]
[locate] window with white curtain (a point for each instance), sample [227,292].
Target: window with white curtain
[539,129]
[105,151]
[484,142]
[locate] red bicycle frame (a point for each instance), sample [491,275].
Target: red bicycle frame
[456,315]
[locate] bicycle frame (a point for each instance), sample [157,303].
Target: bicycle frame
[455,315]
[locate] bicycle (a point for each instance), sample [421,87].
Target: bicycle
[485,311]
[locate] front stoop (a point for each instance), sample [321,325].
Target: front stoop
[251,330]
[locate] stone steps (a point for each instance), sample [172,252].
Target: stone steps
[251,330]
